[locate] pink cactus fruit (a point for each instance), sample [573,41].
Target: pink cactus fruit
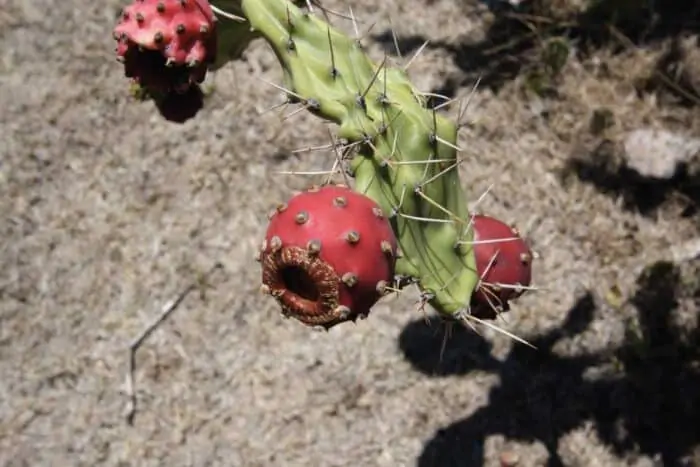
[504,264]
[166,44]
[328,256]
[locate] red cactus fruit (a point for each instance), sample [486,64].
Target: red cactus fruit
[328,256]
[166,44]
[504,264]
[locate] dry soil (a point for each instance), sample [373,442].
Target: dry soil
[108,211]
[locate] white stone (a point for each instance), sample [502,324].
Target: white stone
[657,153]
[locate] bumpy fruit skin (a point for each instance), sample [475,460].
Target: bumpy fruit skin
[328,256]
[166,45]
[503,261]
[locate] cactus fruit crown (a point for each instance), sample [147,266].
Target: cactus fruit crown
[166,44]
[328,255]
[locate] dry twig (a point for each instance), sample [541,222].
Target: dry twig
[167,309]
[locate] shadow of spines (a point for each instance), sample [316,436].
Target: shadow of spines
[510,40]
[650,407]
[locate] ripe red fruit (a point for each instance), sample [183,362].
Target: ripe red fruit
[166,44]
[504,264]
[328,256]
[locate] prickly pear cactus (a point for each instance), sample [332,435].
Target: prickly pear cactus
[404,155]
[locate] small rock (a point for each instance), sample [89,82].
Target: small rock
[657,153]
[687,251]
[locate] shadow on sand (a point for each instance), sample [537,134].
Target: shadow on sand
[515,45]
[515,36]
[649,405]
[607,172]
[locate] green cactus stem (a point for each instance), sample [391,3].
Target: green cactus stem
[401,153]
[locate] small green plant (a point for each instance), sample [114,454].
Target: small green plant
[541,75]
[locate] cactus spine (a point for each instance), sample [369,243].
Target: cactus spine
[402,154]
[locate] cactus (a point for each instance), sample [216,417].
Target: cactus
[234,30]
[328,256]
[401,153]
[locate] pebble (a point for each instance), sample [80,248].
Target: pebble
[657,153]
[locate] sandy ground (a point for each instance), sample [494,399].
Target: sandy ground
[108,211]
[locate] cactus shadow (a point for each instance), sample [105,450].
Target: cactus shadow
[516,35]
[178,107]
[607,171]
[651,407]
